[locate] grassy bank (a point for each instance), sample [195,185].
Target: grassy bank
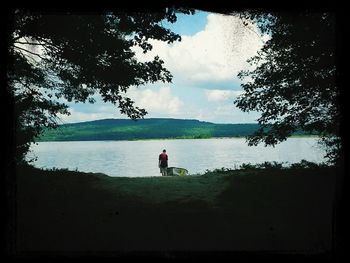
[238,210]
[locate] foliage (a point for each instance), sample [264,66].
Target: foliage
[303,164]
[293,78]
[55,56]
[121,129]
[265,165]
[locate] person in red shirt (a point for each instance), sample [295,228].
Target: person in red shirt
[163,163]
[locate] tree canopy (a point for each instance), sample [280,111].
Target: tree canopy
[293,78]
[70,56]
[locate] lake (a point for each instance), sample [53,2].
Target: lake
[140,158]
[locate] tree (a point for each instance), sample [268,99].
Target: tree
[74,56]
[293,80]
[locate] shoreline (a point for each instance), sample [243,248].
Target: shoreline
[179,138]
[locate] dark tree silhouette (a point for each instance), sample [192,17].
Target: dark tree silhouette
[74,56]
[293,82]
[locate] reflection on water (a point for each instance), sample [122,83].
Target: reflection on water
[140,158]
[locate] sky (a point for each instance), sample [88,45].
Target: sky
[204,65]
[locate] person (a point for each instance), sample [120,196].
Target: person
[163,163]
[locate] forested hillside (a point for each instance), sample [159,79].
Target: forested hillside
[125,129]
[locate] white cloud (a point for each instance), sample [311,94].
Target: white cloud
[209,60]
[157,101]
[232,114]
[161,103]
[78,116]
[222,95]
[29,47]
[217,53]
[223,113]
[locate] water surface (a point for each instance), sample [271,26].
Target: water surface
[140,158]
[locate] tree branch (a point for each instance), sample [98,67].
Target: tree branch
[29,43]
[33,62]
[46,42]
[246,26]
[16,38]
[29,52]
[45,45]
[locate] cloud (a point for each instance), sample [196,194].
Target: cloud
[29,47]
[205,83]
[232,114]
[221,95]
[160,101]
[215,54]
[223,113]
[80,116]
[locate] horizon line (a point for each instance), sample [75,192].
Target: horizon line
[190,119]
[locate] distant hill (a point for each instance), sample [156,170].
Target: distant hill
[126,129]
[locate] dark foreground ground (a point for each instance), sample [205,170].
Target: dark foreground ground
[280,211]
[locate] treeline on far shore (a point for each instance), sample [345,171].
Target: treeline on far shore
[125,129]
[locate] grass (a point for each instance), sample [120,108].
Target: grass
[223,210]
[158,190]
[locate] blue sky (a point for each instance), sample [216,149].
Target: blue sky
[204,65]
[188,24]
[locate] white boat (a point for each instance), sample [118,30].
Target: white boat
[177,171]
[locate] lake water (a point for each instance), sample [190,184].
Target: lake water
[140,158]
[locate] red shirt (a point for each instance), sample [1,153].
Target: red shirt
[163,158]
